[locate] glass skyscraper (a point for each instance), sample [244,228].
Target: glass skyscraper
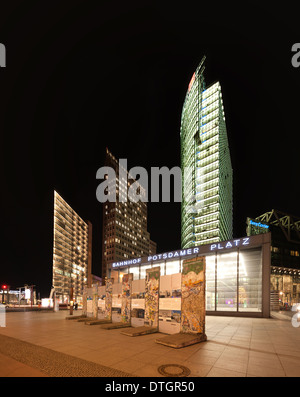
[206,209]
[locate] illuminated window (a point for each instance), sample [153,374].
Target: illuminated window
[210,282]
[227,282]
[250,280]
[143,270]
[172,267]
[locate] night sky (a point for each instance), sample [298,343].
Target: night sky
[82,76]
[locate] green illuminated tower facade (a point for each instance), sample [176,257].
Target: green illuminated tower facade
[206,209]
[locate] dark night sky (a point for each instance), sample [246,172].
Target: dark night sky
[81,76]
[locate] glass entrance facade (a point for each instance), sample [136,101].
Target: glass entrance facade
[234,281]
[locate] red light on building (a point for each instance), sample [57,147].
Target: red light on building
[191,82]
[4,286]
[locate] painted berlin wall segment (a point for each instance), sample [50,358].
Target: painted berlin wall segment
[193,296]
[126,298]
[95,301]
[152,297]
[89,302]
[101,302]
[116,303]
[108,298]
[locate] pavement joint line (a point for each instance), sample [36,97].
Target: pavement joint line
[53,363]
[255,350]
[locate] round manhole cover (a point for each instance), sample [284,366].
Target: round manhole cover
[173,370]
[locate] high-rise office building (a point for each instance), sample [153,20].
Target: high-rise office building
[206,210]
[72,244]
[124,231]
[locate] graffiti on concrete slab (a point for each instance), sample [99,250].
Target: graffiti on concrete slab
[152,296]
[193,296]
[108,298]
[126,298]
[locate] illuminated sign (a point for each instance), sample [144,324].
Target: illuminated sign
[244,241]
[46,302]
[174,254]
[126,263]
[259,224]
[157,257]
[184,252]
[230,244]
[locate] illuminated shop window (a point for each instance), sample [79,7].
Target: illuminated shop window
[143,269]
[227,282]
[210,282]
[173,267]
[136,272]
[250,281]
[162,266]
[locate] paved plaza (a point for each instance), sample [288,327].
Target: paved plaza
[45,344]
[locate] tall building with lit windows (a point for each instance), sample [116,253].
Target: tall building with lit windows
[72,246]
[206,210]
[124,231]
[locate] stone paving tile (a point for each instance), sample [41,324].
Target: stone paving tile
[179,354]
[264,364]
[266,358]
[291,365]
[155,348]
[129,365]
[147,370]
[262,371]
[94,356]
[263,347]
[235,352]
[221,372]
[165,359]
[234,359]
[72,350]
[283,350]
[213,345]
[239,344]
[145,357]
[203,358]
[241,337]
[198,370]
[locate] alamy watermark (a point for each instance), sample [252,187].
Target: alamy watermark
[296,317]
[133,185]
[2,56]
[296,57]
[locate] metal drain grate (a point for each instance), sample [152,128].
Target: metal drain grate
[173,370]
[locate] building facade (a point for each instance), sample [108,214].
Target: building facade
[124,230]
[71,251]
[237,275]
[285,255]
[206,210]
